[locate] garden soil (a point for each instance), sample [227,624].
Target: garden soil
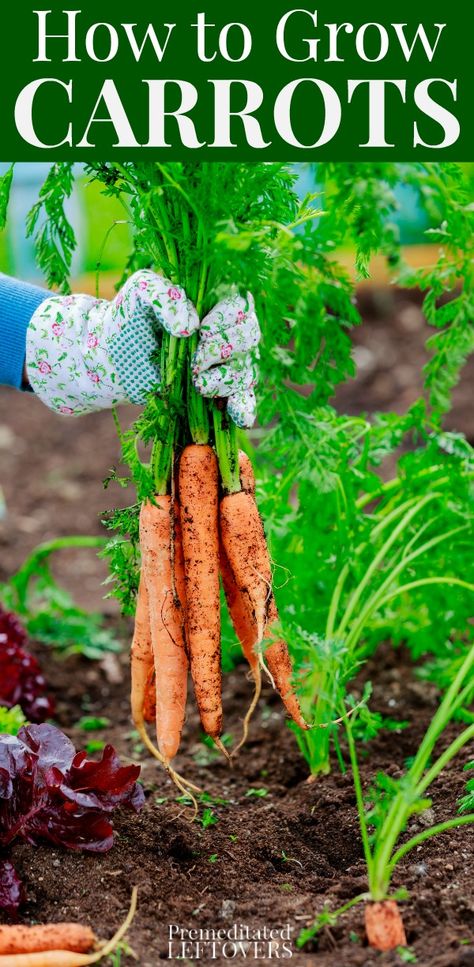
[282,848]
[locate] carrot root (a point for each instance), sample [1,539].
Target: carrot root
[257,677]
[162,564]
[198,496]
[180,781]
[244,543]
[220,745]
[384,926]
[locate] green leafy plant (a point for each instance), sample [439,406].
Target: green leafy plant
[388,560]
[11,720]
[48,612]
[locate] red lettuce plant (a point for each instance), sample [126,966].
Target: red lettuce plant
[50,792]
[21,681]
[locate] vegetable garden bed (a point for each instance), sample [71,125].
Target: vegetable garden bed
[281,848]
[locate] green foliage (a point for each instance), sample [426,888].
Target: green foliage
[11,720]
[5,188]
[47,222]
[385,560]
[91,723]
[48,611]
[466,803]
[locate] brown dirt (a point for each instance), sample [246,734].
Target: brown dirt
[271,861]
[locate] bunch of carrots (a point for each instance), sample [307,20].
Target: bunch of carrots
[198,520]
[187,540]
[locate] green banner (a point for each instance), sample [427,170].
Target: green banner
[239,80]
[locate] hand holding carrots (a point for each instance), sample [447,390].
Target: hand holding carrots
[112,347]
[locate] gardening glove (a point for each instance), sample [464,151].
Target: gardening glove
[224,364]
[85,354]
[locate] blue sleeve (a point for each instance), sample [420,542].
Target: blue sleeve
[18,302]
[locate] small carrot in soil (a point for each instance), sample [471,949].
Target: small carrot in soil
[162,564]
[198,496]
[384,926]
[142,662]
[48,936]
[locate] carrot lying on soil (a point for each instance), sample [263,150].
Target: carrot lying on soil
[48,936]
[198,497]
[384,925]
[162,564]
[68,958]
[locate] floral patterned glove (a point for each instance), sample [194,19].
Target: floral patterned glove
[85,354]
[225,362]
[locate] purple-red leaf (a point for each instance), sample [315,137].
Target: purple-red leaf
[21,681]
[11,889]
[48,791]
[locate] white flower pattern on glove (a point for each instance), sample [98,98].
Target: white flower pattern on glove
[85,354]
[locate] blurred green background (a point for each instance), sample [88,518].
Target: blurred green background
[103,243]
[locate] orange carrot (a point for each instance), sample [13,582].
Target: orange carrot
[384,926]
[247,476]
[277,658]
[163,572]
[149,702]
[141,655]
[49,958]
[243,539]
[68,958]
[235,603]
[243,626]
[250,596]
[48,936]
[198,496]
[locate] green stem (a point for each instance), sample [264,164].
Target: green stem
[307,935]
[456,582]
[198,415]
[225,436]
[174,352]
[360,799]
[29,568]
[445,758]
[379,557]
[427,834]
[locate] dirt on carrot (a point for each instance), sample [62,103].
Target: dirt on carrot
[198,496]
[48,936]
[162,563]
[384,926]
